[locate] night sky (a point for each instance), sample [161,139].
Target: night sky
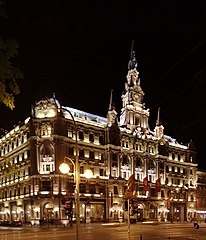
[80,50]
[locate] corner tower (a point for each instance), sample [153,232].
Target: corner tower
[159,129]
[133,115]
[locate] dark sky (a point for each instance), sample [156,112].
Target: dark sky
[80,50]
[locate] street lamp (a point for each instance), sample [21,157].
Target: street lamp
[64,168]
[76,171]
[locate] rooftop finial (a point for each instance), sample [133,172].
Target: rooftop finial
[132,62]
[158,118]
[110,102]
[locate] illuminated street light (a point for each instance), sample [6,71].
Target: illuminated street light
[77,173]
[88,173]
[64,168]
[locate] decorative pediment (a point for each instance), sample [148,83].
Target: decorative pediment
[45,109]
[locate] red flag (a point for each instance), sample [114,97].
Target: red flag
[131,182]
[158,185]
[168,203]
[145,183]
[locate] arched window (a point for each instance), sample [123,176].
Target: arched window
[151,164]
[138,162]
[125,160]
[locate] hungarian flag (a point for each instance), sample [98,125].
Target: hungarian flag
[145,183]
[158,185]
[131,182]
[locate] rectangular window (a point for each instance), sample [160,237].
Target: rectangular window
[153,192]
[101,172]
[101,140]
[45,186]
[48,168]
[81,135]
[91,155]
[81,153]
[91,137]
[115,190]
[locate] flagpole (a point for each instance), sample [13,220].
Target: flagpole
[128,225]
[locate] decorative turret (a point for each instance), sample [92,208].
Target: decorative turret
[133,113]
[159,129]
[112,123]
[111,114]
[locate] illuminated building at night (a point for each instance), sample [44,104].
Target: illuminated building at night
[33,188]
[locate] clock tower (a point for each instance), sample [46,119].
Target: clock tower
[133,116]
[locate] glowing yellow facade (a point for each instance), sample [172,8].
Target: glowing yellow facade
[32,187]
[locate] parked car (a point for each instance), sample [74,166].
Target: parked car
[5,223]
[16,223]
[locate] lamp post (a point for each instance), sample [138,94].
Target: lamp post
[77,175]
[64,168]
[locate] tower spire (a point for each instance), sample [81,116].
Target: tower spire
[110,102]
[158,118]
[133,112]
[111,114]
[132,62]
[132,49]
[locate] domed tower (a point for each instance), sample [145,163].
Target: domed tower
[133,113]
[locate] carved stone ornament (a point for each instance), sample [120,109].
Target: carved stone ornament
[45,109]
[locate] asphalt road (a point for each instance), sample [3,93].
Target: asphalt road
[98,232]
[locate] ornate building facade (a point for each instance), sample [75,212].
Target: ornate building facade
[200,213]
[33,188]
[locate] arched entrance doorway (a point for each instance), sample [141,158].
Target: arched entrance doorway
[152,212]
[48,212]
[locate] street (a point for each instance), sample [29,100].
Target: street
[100,232]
